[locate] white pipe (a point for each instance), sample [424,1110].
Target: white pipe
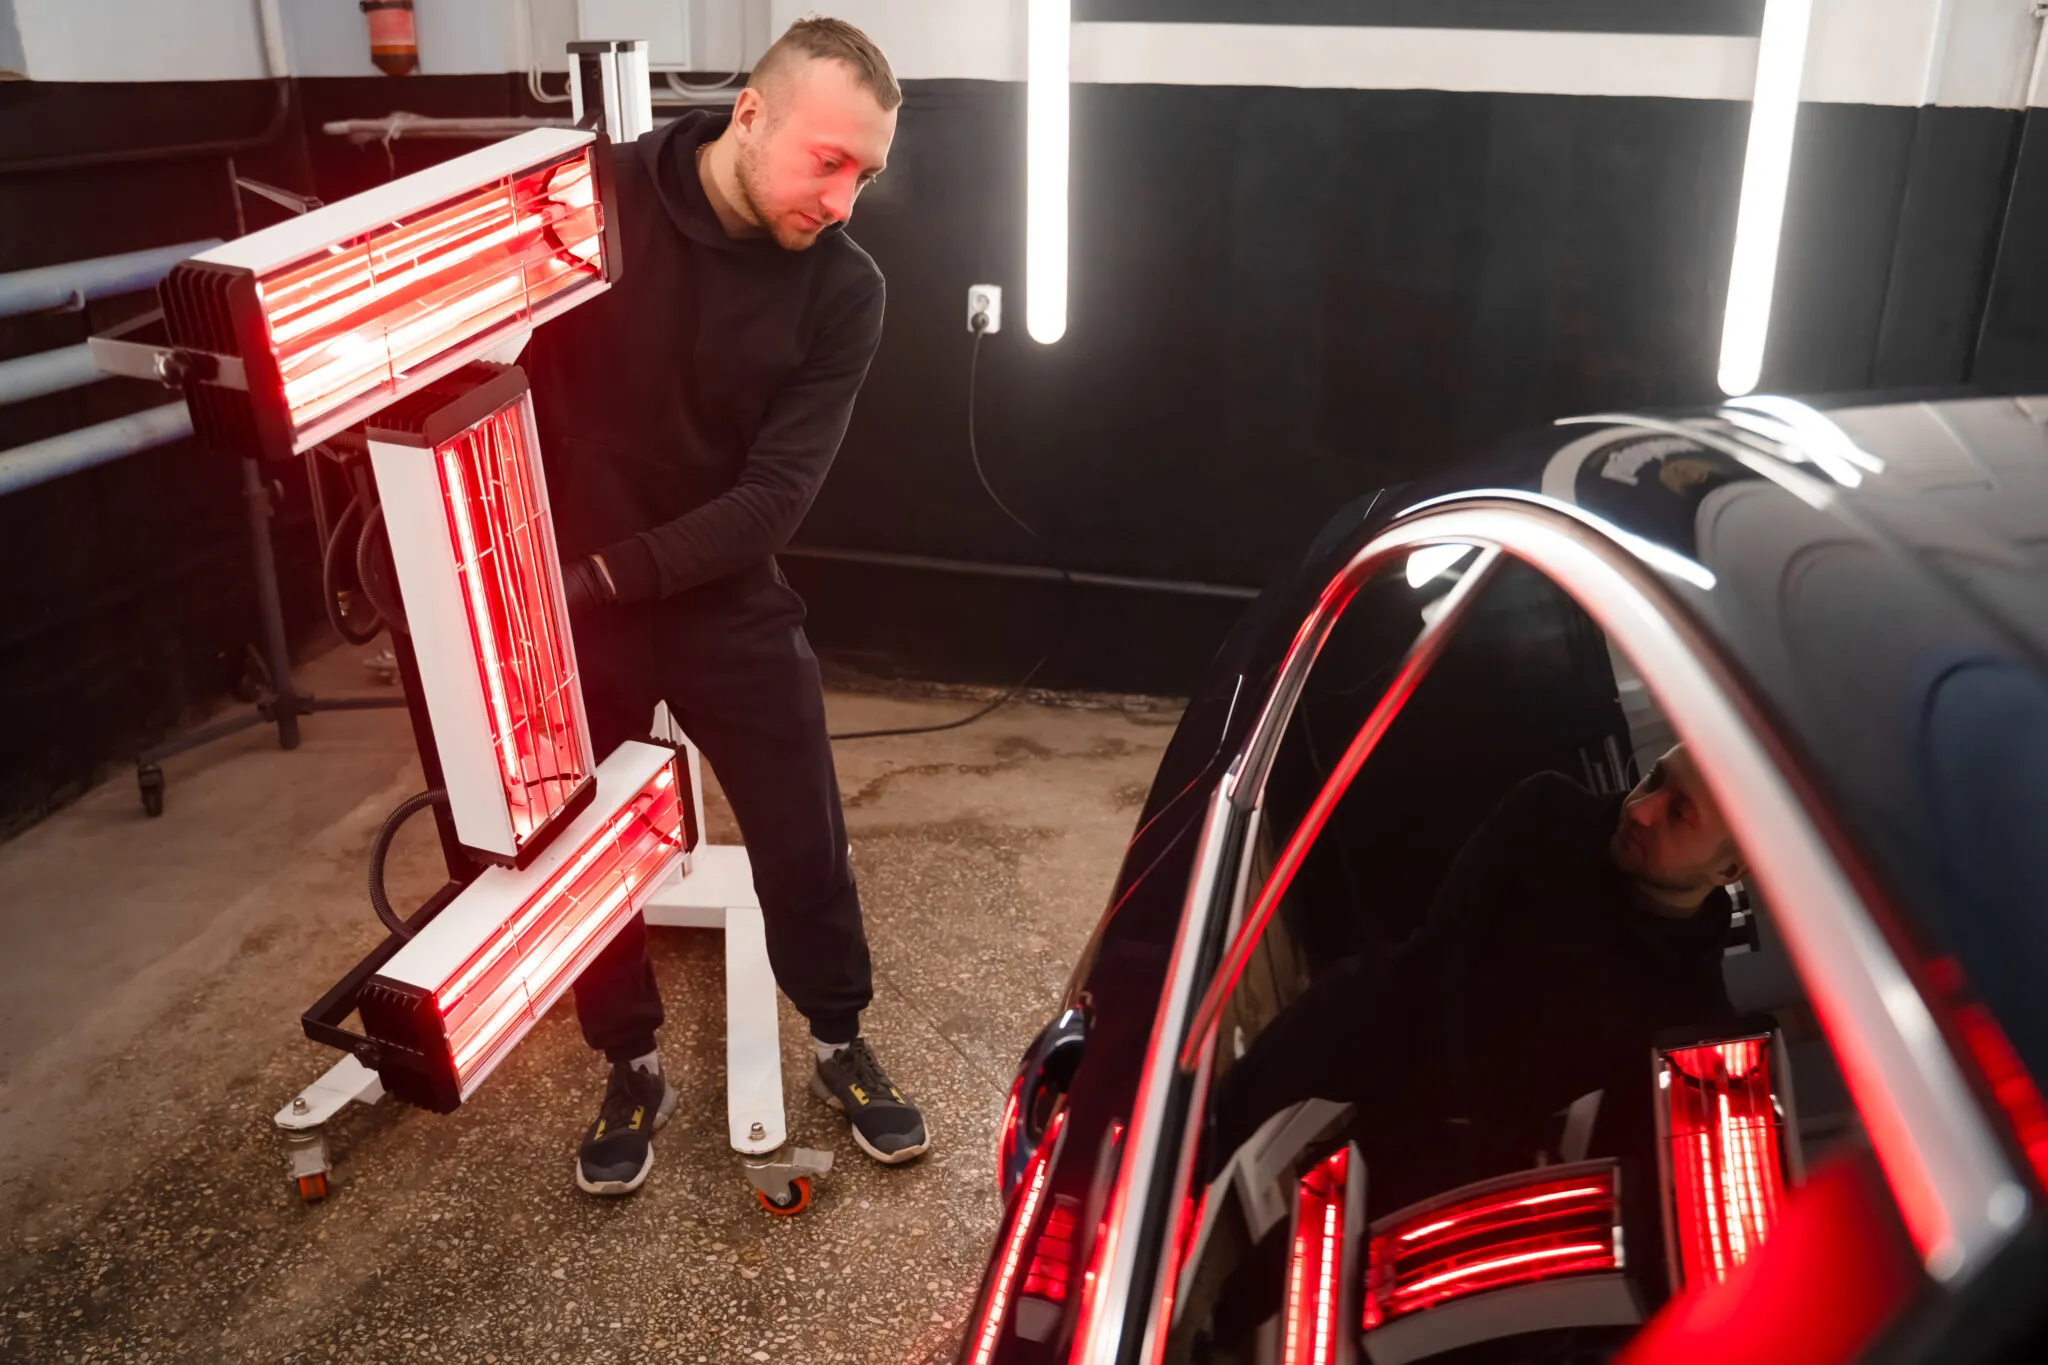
[530,59]
[1766,169]
[392,127]
[42,461]
[522,46]
[1937,51]
[1049,45]
[69,285]
[2036,93]
[272,24]
[32,376]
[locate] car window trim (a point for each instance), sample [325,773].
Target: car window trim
[1421,655]
[1105,1311]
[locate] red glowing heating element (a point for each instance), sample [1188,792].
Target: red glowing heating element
[368,310]
[1515,1233]
[544,945]
[1315,1269]
[1052,1255]
[1030,1194]
[1726,1154]
[505,561]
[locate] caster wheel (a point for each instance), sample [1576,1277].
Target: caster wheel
[150,779]
[798,1199]
[313,1188]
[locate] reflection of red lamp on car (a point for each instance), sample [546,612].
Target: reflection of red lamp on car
[1526,1252]
[1315,1325]
[1519,1233]
[1722,1150]
[1837,1268]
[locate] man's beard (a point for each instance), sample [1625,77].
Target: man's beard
[746,172]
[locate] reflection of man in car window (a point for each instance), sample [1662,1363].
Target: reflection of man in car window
[1570,929]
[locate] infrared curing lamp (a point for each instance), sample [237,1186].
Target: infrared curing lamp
[381,331]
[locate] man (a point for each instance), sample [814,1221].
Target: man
[1570,930]
[689,417]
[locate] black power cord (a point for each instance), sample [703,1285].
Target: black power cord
[980,326]
[330,573]
[380,848]
[374,570]
[973,448]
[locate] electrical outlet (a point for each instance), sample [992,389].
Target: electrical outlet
[985,298]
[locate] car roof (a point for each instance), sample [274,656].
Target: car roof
[1876,573]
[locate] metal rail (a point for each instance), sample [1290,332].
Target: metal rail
[41,461]
[71,284]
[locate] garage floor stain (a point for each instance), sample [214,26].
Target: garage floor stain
[150,993]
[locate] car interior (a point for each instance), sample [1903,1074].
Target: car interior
[1582,1148]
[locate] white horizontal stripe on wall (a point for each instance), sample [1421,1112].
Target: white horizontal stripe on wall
[1309,57]
[1849,60]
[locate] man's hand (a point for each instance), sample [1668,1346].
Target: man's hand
[585,584]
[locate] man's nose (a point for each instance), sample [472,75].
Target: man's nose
[1646,809]
[837,200]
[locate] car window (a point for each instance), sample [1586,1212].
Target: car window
[1360,650]
[1519,1056]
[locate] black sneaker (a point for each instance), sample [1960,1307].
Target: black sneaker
[618,1151]
[886,1125]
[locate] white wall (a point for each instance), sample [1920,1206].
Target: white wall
[139,40]
[1991,50]
[457,37]
[1897,52]
[187,40]
[979,40]
[13,61]
[1911,52]
[1901,52]
[725,35]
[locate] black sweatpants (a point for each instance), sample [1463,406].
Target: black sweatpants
[741,679]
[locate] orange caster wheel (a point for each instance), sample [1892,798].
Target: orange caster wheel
[313,1188]
[798,1199]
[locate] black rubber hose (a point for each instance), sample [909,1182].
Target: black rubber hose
[380,848]
[373,572]
[1059,641]
[330,571]
[998,704]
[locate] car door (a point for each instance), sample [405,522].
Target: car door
[1447,1070]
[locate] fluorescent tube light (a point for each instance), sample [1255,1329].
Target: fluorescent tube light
[1774,110]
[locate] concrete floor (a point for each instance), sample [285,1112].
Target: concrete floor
[151,977]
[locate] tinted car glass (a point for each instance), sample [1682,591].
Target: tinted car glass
[1518,1056]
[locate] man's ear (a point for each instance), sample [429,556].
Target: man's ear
[747,110]
[1732,872]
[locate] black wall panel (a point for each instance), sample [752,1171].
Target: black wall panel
[127,600]
[1848,179]
[342,167]
[1279,299]
[2013,348]
[1956,182]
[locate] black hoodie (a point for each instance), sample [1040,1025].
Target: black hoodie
[688,416]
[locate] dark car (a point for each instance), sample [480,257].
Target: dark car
[1596,908]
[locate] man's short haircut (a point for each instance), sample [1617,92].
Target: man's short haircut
[820,39]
